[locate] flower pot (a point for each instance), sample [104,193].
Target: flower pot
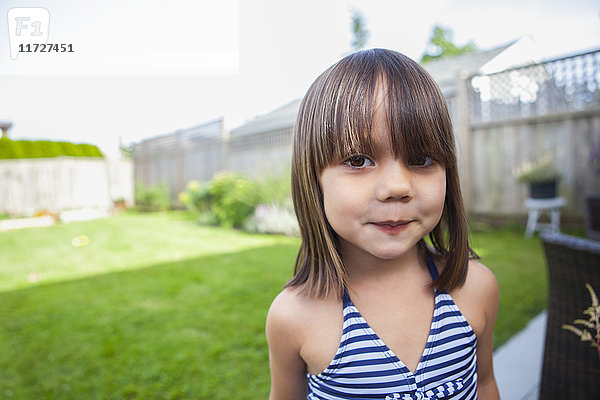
[119,205]
[592,215]
[542,190]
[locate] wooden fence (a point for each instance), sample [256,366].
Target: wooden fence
[501,121]
[28,186]
[517,116]
[200,152]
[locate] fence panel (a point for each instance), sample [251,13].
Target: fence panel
[563,85]
[199,153]
[521,114]
[28,186]
[259,154]
[175,159]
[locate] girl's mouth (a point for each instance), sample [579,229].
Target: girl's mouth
[392,227]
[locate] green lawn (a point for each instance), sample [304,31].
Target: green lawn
[157,307]
[520,268]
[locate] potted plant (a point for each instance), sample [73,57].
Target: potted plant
[541,176]
[119,204]
[592,200]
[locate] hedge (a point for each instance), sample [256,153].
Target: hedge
[10,149]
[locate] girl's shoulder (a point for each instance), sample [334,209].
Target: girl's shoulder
[293,311]
[289,301]
[480,284]
[287,306]
[304,329]
[478,297]
[480,280]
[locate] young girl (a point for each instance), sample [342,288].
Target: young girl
[373,310]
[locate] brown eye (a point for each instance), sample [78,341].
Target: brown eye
[358,162]
[421,161]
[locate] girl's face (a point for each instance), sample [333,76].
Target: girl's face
[379,205]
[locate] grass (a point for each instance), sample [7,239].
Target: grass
[127,242]
[156,307]
[520,270]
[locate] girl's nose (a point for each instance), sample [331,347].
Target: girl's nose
[394,182]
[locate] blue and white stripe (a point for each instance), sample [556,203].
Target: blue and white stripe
[365,368]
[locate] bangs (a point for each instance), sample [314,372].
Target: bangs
[341,105]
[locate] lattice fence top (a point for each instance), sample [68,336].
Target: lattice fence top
[561,85]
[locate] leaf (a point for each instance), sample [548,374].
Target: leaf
[571,328]
[586,337]
[591,311]
[588,324]
[593,295]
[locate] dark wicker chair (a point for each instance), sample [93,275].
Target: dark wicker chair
[571,368]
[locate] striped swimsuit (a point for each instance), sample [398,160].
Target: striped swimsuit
[365,368]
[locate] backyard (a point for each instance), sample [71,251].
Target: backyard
[154,306]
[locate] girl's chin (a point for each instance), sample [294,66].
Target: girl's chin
[382,253]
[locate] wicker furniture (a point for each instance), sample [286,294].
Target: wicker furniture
[571,368]
[592,212]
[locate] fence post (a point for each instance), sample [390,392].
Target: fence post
[178,154]
[463,130]
[225,144]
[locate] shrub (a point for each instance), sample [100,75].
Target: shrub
[274,219]
[47,148]
[230,199]
[197,199]
[151,198]
[26,147]
[276,189]
[8,150]
[11,149]
[233,198]
[71,150]
[89,150]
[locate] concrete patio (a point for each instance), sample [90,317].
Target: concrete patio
[518,363]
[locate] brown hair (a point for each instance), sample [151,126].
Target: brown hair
[334,120]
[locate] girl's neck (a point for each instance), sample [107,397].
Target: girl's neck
[364,268]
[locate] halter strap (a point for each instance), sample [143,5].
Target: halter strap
[432,268]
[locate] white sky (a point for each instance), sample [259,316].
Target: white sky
[147,67]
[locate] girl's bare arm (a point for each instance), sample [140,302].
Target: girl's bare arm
[288,370]
[487,296]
